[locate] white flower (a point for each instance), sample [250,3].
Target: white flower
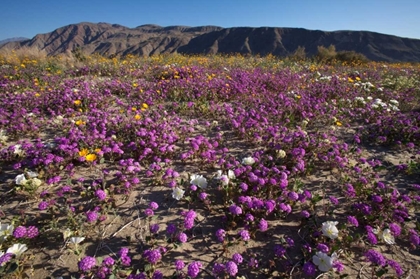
[248,161]
[5,231]
[20,179]
[323,261]
[36,182]
[17,150]
[3,137]
[67,233]
[231,174]
[281,153]
[17,249]
[199,181]
[387,236]
[394,102]
[32,174]
[329,229]
[177,193]
[76,239]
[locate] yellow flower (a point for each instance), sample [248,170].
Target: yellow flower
[97,150]
[37,94]
[137,117]
[357,78]
[80,122]
[350,79]
[135,84]
[338,123]
[133,109]
[144,106]
[77,102]
[91,157]
[83,152]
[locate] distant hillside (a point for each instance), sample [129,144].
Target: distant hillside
[111,39]
[18,39]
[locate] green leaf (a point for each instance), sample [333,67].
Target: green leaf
[102,161]
[12,268]
[381,272]
[147,267]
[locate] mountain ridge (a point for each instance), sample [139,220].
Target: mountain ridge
[150,39]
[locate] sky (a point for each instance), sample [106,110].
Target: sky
[26,18]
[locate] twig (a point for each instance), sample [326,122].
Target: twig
[293,268]
[360,271]
[409,274]
[106,228]
[321,275]
[126,225]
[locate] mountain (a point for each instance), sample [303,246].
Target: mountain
[113,39]
[17,39]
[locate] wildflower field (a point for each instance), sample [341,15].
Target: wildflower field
[208,167]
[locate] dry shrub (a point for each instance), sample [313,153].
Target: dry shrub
[18,56]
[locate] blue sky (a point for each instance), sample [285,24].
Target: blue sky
[26,18]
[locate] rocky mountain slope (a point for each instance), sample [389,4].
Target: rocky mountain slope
[114,39]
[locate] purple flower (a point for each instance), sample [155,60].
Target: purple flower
[237,258]
[334,200]
[179,265]
[293,196]
[154,228]
[182,237]
[372,238]
[157,275]
[5,258]
[149,212]
[253,263]
[153,205]
[395,229]
[152,256]
[263,225]
[414,237]
[279,250]
[322,248]
[91,216]
[43,205]
[171,229]
[249,217]
[243,186]
[108,261]
[309,269]
[221,234]
[87,263]
[270,205]
[375,257]
[235,210]
[202,196]
[194,269]
[20,232]
[123,252]
[376,199]
[394,265]
[339,266]
[290,242]
[100,194]
[231,268]
[353,221]
[125,260]
[305,214]
[218,269]
[244,234]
